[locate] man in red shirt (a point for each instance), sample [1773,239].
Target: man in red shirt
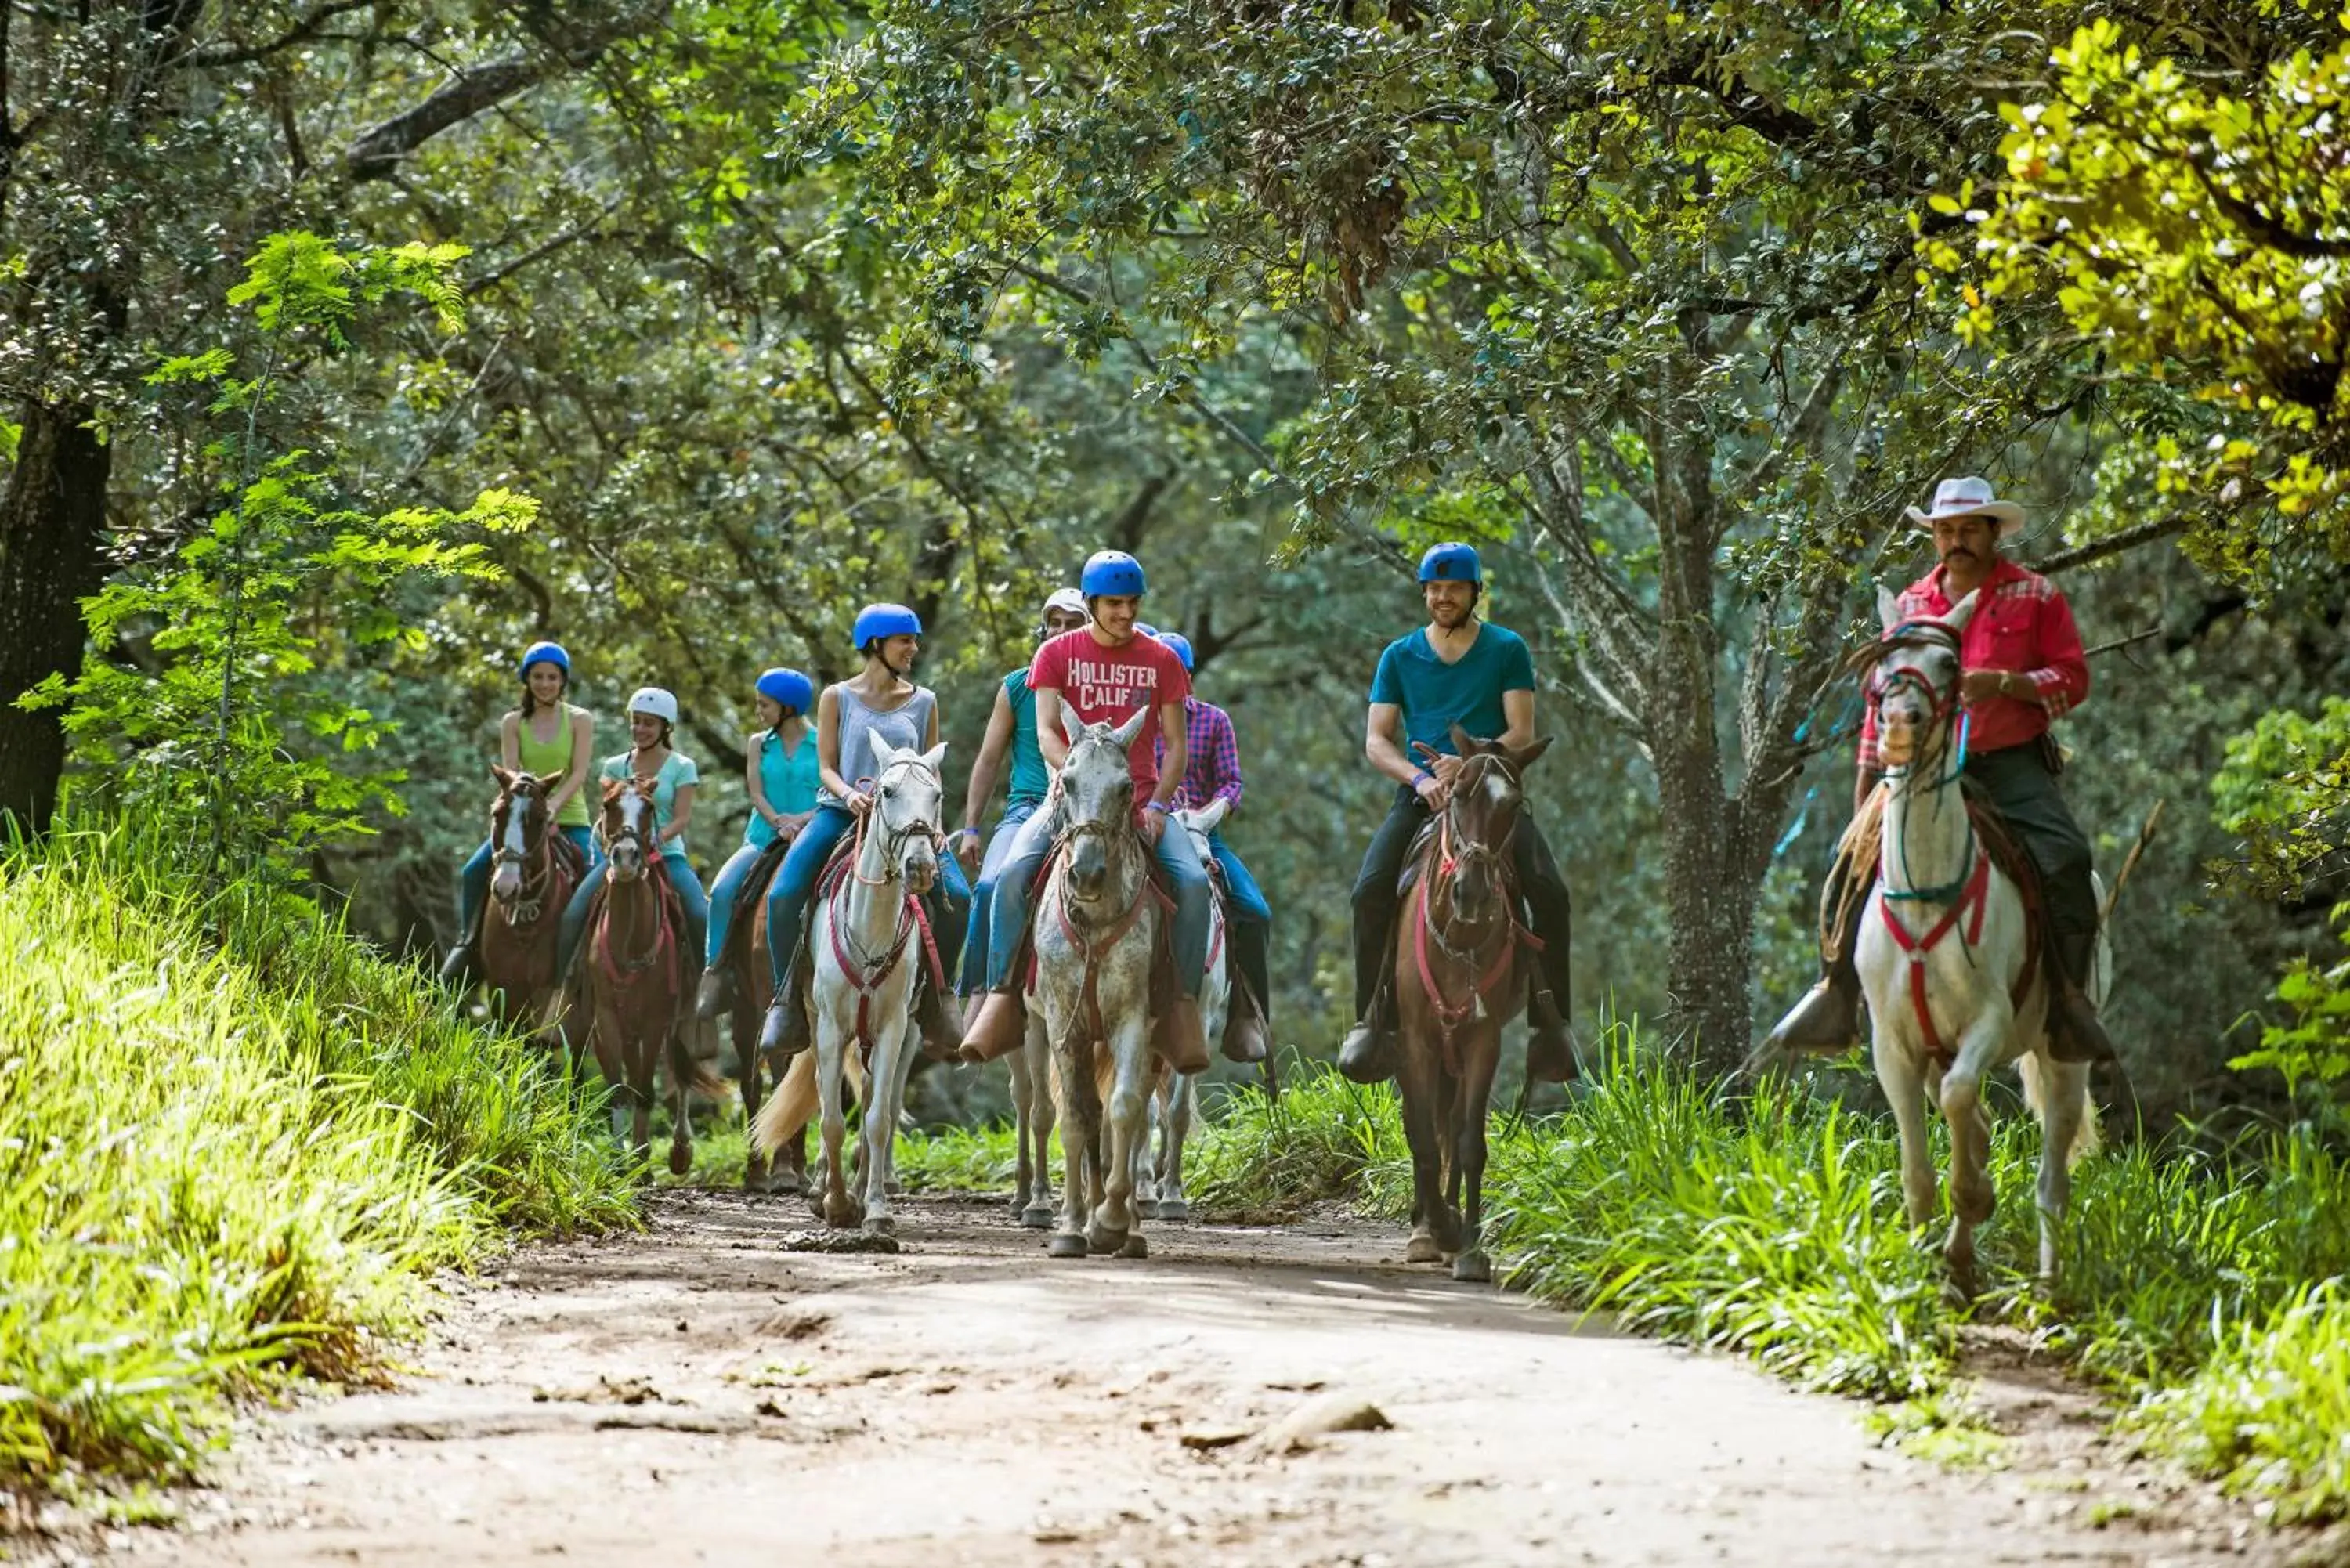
[1102,673]
[2024,664]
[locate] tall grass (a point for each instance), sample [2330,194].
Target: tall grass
[234,1145]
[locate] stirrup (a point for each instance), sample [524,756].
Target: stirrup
[1369,1054]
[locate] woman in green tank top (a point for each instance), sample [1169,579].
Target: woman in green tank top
[544,735]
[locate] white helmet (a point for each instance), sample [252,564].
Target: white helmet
[654,701]
[1068,601]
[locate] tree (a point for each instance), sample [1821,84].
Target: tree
[1621,290]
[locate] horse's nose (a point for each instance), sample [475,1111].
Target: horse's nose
[506,883]
[921,869]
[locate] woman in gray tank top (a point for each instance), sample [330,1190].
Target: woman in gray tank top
[879,705]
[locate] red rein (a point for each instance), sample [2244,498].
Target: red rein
[864,981]
[1451,1016]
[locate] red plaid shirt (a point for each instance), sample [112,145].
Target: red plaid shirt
[2022,624]
[1214,769]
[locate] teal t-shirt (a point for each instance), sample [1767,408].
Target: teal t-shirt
[1435,696]
[674,775]
[1030,782]
[790,780]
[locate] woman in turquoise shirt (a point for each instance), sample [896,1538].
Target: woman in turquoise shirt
[652,722]
[780,771]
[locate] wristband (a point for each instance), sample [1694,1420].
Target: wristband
[968,833]
[1158,805]
[1421,777]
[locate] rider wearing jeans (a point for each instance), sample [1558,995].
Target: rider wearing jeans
[652,721]
[1457,669]
[854,720]
[1104,672]
[1010,732]
[780,771]
[1214,774]
[2023,666]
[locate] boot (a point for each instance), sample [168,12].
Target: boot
[717,992]
[2076,1034]
[458,969]
[996,1027]
[1368,1053]
[1551,1055]
[1181,1036]
[941,1035]
[1243,1028]
[785,1033]
[1826,1022]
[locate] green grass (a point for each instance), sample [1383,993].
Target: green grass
[236,1145]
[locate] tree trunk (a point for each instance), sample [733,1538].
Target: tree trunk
[52,535]
[1710,903]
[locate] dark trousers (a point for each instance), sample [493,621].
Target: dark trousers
[2018,781]
[1376,900]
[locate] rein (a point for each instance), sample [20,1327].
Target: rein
[1095,946]
[537,864]
[865,977]
[625,969]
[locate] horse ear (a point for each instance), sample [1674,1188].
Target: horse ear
[1888,609]
[547,782]
[1208,817]
[1462,740]
[1525,756]
[1126,733]
[506,777]
[612,788]
[936,756]
[1964,611]
[1071,725]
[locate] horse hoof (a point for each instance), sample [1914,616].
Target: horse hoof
[881,1225]
[680,1159]
[1064,1245]
[1104,1242]
[1423,1250]
[1135,1246]
[1174,1211]
[1473,1269]
[1039,1218]
[1019,1205]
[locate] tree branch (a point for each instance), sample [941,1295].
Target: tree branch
[378,151]
[2113,543]
[301,32]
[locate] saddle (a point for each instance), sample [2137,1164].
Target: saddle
[837,868]
[1854,874]
[750,895]
[1155,886]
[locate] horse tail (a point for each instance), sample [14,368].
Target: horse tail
[2035,1070]
[785,1112]
[687,1072]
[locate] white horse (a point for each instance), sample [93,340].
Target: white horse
[1945,958]
[1176,1107]
[867,942]
[1097,927]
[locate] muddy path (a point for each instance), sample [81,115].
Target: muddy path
[700,1393]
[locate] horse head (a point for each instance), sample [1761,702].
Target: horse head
[628,827]
[1098,796]
[1202,823]
[518,826]
[1481,819]
[908,797]
[1914,686]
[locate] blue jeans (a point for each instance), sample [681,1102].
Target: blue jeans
[1250,918]
[795,886]
[680,877]
[973,966]
[473,881]
[1007,915]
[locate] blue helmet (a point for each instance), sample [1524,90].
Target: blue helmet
[545,653]
[1113,573]
[787,689]
[1144,629]
[1451,561]
[1181,644]
[885,620]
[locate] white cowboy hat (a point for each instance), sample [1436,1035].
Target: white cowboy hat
[1969,497]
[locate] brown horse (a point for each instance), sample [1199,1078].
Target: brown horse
[532,870]
[1460,975]
[753,990]
[636,977]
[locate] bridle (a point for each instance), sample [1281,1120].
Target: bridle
[535,864]
[629,831]
[1941,702]
[1454,850]
[863,972]
[894,837]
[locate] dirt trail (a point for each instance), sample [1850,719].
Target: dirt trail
[700,1394]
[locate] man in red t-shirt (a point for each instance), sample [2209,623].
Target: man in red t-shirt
[1103,672]
[2024,668]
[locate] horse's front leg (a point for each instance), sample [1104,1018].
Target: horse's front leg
[839,1207]
[1980,1047]
[1483,1054]
[1126,1118]
[641,1091]
[680,1123]
[757,1173]
[1430,1228]
[1901,1077]
[1184,1104]
[878,1139]
[1073,1065]
[1036,1058]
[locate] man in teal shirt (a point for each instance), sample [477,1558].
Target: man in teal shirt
[1456,670]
